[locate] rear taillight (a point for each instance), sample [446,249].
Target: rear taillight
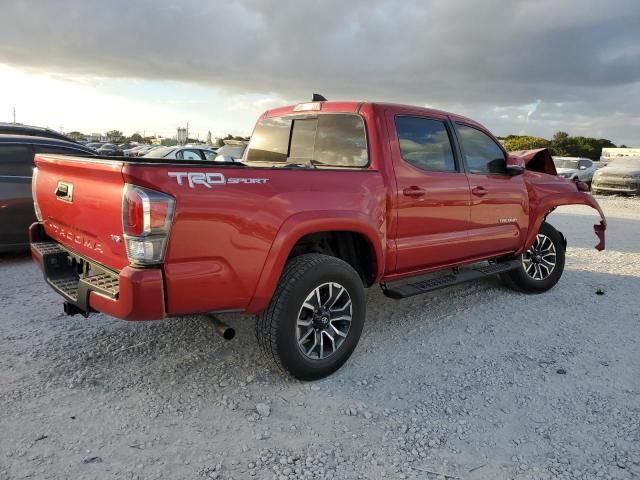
[146,222]
[36,207]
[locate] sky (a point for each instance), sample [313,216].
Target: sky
[524,67]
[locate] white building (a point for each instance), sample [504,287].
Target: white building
[96,137]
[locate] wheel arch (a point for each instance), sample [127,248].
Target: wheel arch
[544,206]
[313,232]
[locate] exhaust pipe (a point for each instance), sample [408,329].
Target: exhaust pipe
[221,328]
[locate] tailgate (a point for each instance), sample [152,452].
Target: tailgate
[81,205]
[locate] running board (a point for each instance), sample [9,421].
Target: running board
[464,274]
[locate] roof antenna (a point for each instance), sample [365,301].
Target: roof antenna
[318,98]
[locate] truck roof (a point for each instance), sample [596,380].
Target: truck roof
[353,106]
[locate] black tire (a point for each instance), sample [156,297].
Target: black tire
[277,327]
[522,281]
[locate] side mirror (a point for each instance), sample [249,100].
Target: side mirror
[224,158]
[515,165]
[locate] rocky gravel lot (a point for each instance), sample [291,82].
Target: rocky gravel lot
[474,382]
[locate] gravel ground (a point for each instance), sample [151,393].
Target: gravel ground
[470,382]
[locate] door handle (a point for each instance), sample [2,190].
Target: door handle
[413,192]
[479,191]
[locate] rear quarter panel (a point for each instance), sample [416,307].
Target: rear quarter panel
[222,236]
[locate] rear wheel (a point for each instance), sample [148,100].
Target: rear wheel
[315,317]
[541,266]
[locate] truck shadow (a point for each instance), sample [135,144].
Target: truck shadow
[12,258]
[116,356]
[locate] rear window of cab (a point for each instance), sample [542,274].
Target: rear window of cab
[330,140]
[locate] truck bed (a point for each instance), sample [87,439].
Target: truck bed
[225,223]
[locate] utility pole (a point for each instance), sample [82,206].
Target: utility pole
[14,114]
[187,131]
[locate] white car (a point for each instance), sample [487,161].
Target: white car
[233,150]
[183,152]
[576,168]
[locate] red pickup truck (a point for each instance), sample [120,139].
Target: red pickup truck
[331,198]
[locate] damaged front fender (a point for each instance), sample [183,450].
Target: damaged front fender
[547,191]
[544,198]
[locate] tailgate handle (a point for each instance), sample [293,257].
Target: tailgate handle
[64,191]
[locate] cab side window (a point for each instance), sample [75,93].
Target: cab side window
[482,154]
[16,161]
[425,144]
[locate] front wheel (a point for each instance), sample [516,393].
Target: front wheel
[315,317]
[541,266]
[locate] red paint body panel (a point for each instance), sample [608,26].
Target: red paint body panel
[95,213]
[228,244]
[141,296]
[500,217]
[433,227]
[547,192]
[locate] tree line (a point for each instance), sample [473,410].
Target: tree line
[561,144]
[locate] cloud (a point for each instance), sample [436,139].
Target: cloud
[462,55]
[246,103]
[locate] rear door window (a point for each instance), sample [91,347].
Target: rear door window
[16,160]
[425,144]
[332,140]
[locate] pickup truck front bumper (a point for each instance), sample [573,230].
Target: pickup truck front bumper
[130,294]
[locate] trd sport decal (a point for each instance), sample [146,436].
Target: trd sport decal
[211,179]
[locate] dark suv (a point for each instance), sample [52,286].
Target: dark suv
[16,169]
[20,129]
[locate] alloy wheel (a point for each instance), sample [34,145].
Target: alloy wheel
[540,260]
[324,321]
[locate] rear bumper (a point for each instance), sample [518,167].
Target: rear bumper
[130,294]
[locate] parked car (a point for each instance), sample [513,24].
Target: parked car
[20,129]
[16,167]
[233,150]
[144,150]
[183,153]
[576,168]
[332,198]
[620,175]
[130,152]
[110,150]
[94,145]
